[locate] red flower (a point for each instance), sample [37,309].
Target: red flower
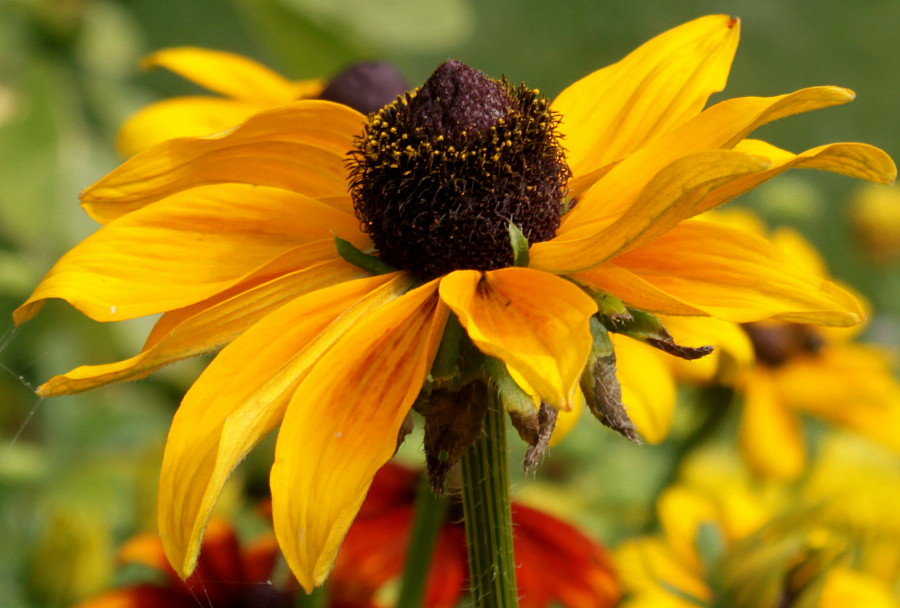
[556,562]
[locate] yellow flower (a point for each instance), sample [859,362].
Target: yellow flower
[231,237]
[729,541]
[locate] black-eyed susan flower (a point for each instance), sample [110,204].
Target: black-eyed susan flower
[786,372]
[556,563]
[453,203]
[728,540]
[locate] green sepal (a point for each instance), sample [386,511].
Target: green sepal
[370,263]
[609,308]
[519,246]
[646,328]
[513,398]
[446,361]
[601,343]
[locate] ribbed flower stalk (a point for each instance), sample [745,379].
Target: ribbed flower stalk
[486,509]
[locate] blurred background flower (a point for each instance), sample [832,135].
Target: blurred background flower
[84,467]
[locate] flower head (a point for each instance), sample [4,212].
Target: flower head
[231,237]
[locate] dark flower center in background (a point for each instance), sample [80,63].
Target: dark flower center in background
[775,345]
[438,175]
[366,86]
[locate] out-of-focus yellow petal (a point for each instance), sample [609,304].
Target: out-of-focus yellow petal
[239,398]
[342,424]
[674,194]
[203,328]
[648,389]
[227,73]
[720,126]
[733,275]
[849,385]
[681,513]
[648,565]
[535,322]
[666,81]
[186,248]
[300,147]
[733,349]
[845,587]
[182,117]
[770,435]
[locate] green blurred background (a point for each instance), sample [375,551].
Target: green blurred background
[77,474]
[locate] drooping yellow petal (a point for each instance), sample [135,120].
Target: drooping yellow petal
[675,193]
[666,81]
[567,419]
[535,322]
[648,388]
[182,117]
[721,126]
[729,274]
[341,426]
[770,435]
[186,248]
[861,161]
[231,75]
[202,328]
[299,147]
[239,398]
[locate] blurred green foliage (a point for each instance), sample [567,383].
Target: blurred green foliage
[85,465]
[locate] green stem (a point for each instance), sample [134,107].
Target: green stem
[427,524]
[486,511]
[317,599]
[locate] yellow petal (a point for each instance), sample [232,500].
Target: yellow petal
[721,126]
[648,388]
[242,395]
[844,587]
[849,385]
[535,322]
[182,117]
[659,86]
[861,161]
[649,565]
[187,248]
[675,193]
[300,147]
[342,424]
[566,420]
[732,275]
[770,435]
[682,511]
[202,328]
[226,73]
